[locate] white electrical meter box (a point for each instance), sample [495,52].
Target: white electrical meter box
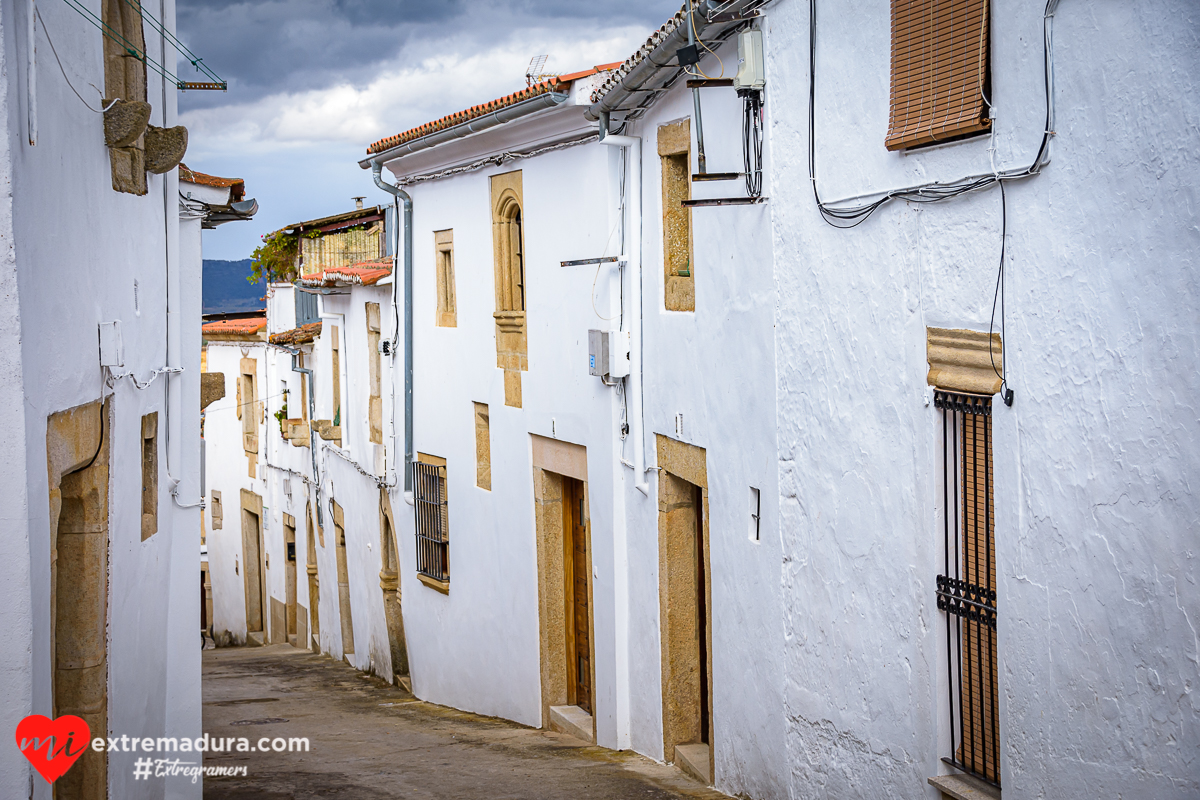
[608,353]
[112,351]
[751,74]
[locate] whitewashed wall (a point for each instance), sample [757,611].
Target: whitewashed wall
[227,472]
[16,589]
[285,475]
[716,367]
[357,494]
[66,285]
[477,647]
[1096,517]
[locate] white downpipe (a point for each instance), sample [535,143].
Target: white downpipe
[633,393]
[31,70]
[634,324]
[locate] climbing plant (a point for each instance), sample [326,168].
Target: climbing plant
[275,259]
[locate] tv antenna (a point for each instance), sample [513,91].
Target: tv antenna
[536,72]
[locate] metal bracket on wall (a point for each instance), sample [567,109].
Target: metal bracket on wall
[587,261]
[723,201]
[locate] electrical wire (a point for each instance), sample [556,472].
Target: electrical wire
[752,140]
[113,377]
[496,160]
[170,38]
[242,405]
[103,108]
[1005,392]
[100,446]
[125,44]
[700,73]
[382,483]
[851,216]
[620,223]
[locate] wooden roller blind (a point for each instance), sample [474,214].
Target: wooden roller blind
[979,746]
[939,71]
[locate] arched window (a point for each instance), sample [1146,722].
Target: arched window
[508,238]
[510,291]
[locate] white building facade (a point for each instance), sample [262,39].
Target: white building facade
[102,483]
[299,467]
[736,484]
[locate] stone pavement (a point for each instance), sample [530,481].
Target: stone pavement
[371,741]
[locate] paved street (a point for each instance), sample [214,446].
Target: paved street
[370,740]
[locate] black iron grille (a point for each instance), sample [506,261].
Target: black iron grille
[966,590]
[429,504]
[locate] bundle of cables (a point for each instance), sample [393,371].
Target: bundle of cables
[752,140]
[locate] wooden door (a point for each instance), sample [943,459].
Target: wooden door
[251,548]
[314,586]
[289,571]
[579,611]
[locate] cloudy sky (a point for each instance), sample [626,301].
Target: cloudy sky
[313,82]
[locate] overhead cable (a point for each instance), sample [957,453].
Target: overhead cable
[848,216]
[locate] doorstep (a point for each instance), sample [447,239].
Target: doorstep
[694,760]
[964,787]
[254,639]
[573,721]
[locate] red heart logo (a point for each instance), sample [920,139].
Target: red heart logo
[52,745]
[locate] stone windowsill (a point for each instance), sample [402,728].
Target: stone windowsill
[434,583]
[964,787]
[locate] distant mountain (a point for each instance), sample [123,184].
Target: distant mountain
[226,290]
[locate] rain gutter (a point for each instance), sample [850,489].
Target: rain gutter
[653,73]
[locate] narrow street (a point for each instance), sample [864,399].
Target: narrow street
[370,740]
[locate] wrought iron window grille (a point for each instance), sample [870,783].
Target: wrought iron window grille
[966,590]
[432,520]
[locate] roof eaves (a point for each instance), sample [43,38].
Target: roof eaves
[349,217]
[559,83]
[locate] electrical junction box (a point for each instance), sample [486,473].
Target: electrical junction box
[751,73]
[608,353]
[112,351]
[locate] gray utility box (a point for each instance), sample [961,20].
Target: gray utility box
[750,74]
[608,354]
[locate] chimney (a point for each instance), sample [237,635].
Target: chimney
[358,202]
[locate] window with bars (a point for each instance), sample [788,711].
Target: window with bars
[940,71]
[432,519]
[966,590]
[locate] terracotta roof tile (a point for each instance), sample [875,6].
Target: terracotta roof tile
[236,185]
[234,327]
[305,334]
[556,84]
[364,273]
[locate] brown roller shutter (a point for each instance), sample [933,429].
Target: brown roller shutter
[939,71]
[979,747]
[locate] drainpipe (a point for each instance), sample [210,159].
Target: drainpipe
[402,197]
[691,28]
[634,145]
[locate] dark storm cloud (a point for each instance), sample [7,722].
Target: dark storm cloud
[263,48]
